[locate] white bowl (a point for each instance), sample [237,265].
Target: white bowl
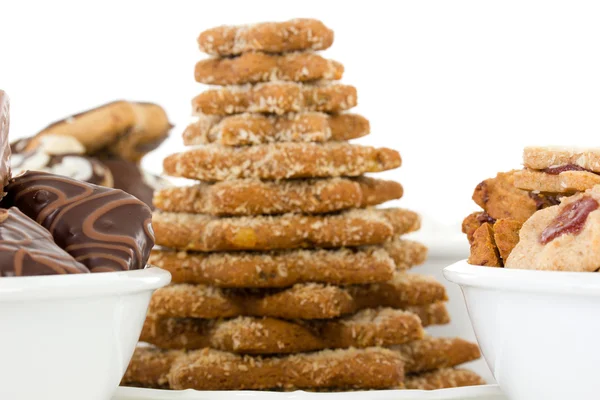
[538,330]
[70,337]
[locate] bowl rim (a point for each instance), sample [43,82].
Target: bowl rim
[82,285]
[520,280]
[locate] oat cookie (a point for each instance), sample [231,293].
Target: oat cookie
[269,37]
[301,301]
[256,197]
[276,97]
[250,335]
[567,182]
[250,129]
[431,314]
[554,159]
[281,268]
[561,238]
[124,129]
[483,248]
[432,353]
[289,231]
[443,379]
[280,161]
[255,67]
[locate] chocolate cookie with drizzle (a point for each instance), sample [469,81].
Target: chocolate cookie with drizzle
[105,229]
[28,249]
[4,146]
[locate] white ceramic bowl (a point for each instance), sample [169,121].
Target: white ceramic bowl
[538,330]
[70,337]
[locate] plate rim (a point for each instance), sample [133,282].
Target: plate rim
[133,393]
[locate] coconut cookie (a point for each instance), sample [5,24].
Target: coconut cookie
[443,379]
[270,37]
[276,97]
[301,301]
[250,335]
[563,237]
[255,197]
[280,161]
[258,67]
[252,128]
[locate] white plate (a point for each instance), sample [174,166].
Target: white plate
[488,392]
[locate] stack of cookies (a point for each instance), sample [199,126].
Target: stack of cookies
[284,275]
[512,199]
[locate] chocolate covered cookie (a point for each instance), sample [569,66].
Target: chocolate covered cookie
[27,249]
[105,229]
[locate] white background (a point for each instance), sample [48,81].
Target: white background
[458,87]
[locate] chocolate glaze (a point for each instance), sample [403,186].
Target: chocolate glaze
[4,144]
[130,178]
[28,249]
[571,219]
[564,168]
[105,229]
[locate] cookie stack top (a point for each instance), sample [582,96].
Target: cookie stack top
[280,263]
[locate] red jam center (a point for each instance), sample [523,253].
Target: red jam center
[570,220]
[564,168]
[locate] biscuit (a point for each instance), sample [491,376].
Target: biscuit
[483,248]
[124,129]
[506,236]
[277,268]
[252,129]
[405,253]
[270,37]
[543,158]
[443,379]
[255,197]
[567,182]
[500,198]
[473,222]
[431,314]
[149,367]
[301,301]
[289,231]
[248,335]
[258,67]
[561,238]
[371,368]
[431,353]
[276,97]
[280,161]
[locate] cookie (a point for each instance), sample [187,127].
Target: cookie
[276,97]
[280,161]
[248,335]
[431,314]
[123,129]
[27,249]
[443,379]
[371,368]
[483,248]
[561,238]
[269,37]
[104,229]
[506,236]
[432,353]
[289,231]
[62,155]
[301,301]
[473,221]
[133,179]
[149,367]
[566,182]
[560,159]
[255,197]
[258,67]
[277,268]
[251,129]
[4,143]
